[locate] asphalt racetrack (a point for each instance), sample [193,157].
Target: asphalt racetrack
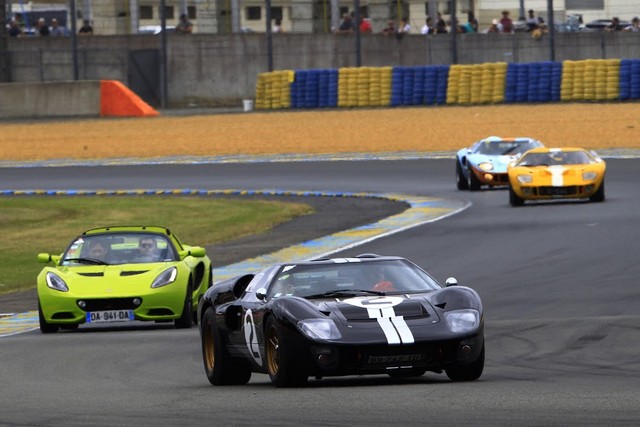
[559,282]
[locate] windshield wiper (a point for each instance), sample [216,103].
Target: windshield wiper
[90,261]
[345,292]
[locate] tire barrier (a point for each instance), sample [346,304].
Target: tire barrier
[596,80]
[273,90]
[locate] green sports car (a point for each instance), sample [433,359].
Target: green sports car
[121,274]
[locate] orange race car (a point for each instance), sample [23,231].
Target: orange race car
[556,173]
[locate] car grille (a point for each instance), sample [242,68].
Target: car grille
[109,304]
[425,355]
[558,191]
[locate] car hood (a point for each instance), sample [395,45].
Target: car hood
[500,163]
[558,175]
[108,280]
[393,319]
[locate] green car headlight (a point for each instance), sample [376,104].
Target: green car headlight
[322,329]
[486,166]
[589,176]
[55,282]
[525,179]
[166,277]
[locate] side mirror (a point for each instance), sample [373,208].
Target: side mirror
[451,281]
[194,251]
[261,294]
[44,258]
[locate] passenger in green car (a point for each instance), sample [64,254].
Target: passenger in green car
[147,250]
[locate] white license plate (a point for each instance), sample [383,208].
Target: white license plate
[110,316]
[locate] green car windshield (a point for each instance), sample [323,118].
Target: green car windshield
[119,248]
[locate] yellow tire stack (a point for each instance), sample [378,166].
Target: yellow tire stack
[273,90]
[499,71]
[612,78]
[362,86]
[453,84]
[385,74]
[566,87]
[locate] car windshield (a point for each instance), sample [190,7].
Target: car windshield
[555,158]
[504,148]
[119,248]
[350,279]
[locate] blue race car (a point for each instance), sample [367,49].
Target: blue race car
[485,162]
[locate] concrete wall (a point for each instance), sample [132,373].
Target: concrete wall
[50,99]
[206,70]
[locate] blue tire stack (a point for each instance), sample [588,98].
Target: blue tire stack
[397,85]
[441,85]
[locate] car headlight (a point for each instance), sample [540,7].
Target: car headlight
[321,329]
[55,282]
[486,166]
[589,176]
[525,179]
[462,321]
[166,277]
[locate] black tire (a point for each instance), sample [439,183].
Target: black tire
[598,196]
[220,368]
[45,327]
[473,183]
[461,181]
[408,373]
[282,363]
[514,199]
[470,372]
[185,320]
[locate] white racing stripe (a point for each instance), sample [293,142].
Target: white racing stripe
[557,175]
[395,328]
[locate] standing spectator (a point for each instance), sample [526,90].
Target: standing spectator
[86,29]
[346,26]
[634,27]
[428,28]
[42,28]
[494,27]
[184,25]
[277,26]
[55,29]
[472,23]
[365,25]
[532,21]
[614,25]
[404,28]
[441,26]
[14,29]
[506,22]
[389,29]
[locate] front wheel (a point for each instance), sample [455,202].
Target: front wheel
[186,318]
[46,327]
[470,372]
[282,363]
[474,183]
[461,181]
[598,196]
[514,199]
[220,368]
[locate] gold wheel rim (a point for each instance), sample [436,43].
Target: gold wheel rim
[272,351]
[209,347]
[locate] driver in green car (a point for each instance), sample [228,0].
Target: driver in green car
[147,250]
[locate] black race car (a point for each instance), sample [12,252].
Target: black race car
[344,316]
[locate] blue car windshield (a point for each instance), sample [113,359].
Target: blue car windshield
[119,248]
[503,148]
[336,279]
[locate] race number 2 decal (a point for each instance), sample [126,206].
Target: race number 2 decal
[250,337]
[395,328]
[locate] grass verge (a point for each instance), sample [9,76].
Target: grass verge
[33,224]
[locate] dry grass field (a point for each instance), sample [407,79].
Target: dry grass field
[588,125]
